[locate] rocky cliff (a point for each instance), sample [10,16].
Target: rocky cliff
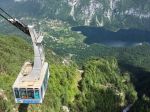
[109,13]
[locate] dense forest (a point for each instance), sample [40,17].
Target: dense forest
[104,88]
[85,74]
[102,85]
[106,84]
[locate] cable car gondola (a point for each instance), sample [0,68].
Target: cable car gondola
[31,83]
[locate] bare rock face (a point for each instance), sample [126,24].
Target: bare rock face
[65,109]
[3,101]
[2,95]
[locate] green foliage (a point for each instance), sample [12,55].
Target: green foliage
[13,52]
[118,14]
[103,88]
[142,105]
[103,85]
[137,56]
[63,81]
[62,87]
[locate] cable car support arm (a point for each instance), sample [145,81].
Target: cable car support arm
[39,56]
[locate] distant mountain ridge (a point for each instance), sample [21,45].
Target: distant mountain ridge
[109,13]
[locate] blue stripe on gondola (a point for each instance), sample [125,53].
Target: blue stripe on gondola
[28,101]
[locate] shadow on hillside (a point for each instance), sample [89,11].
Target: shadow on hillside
[139,77]
[23,108]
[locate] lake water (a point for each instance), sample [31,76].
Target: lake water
[121,38]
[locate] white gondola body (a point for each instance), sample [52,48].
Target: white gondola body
[31,91]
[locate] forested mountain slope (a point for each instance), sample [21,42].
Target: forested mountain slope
[84,78]
[62,85]
[112,14]
[101,86]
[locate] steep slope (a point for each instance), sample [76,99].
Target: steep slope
[13,52]
[104,88]
[62,86]
[112,14]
